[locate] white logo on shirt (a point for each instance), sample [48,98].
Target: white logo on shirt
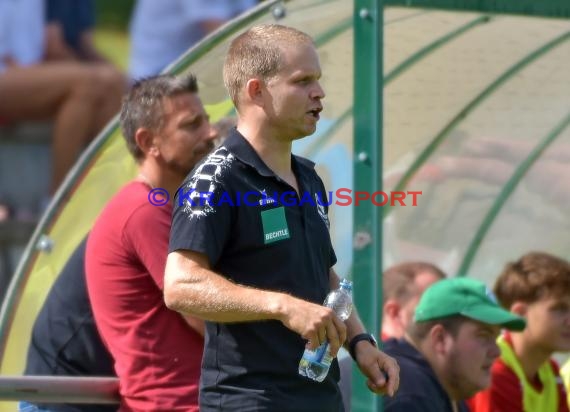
[204,180]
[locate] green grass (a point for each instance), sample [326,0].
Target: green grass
[114,14]
[113,44]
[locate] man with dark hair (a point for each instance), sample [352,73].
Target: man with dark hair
[525,378]
[447,352]
[259,273]
[157,352]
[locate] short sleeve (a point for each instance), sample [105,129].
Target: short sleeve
[146,235]
[203,214]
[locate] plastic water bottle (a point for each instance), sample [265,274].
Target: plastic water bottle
[315,364]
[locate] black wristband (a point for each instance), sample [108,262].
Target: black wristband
[360,337]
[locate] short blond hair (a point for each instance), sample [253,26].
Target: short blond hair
[257,53]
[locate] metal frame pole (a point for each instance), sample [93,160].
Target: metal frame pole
[367,244]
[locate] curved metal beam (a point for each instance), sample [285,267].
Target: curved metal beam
[545,8]
[424,51]
[507,191]
[398,70]
[488,91]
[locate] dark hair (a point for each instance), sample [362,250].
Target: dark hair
[143,105]
[398,280]
[533,276]
[418,331]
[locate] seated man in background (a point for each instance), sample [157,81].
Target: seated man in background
[402,286]
[64,339]
[447,352]
[525,378]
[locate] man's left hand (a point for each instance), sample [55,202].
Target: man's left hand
[382,371]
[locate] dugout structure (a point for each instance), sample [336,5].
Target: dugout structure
[466,101]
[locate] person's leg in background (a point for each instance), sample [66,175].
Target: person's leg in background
[79,98]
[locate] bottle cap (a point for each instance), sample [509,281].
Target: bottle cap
[346,284]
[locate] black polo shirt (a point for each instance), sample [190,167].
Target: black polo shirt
[420,390]
[257,231]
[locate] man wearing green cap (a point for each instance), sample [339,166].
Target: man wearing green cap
[447,352]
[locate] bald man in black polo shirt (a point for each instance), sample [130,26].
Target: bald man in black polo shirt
[254,258]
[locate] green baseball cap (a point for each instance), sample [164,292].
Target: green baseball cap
[467,297]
